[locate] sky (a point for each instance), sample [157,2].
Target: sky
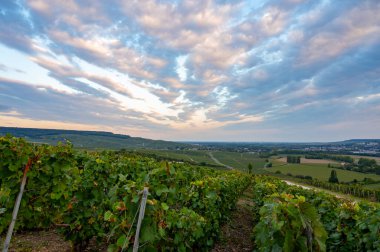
[206,70]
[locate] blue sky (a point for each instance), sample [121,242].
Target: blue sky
[274,70]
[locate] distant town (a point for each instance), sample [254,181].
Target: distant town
[366,147]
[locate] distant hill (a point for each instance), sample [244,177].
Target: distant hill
[89,139]
[353,141]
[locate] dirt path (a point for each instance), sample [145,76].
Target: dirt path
[218,162]
[336,194]
[46,241]
[236,233]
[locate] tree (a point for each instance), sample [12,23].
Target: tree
[333,177]
[363,162]
[293,159]
[250,167]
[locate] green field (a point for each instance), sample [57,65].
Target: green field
[319,171]
[197,156]
[236,160]
[240,161]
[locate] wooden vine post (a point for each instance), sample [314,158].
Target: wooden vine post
[16,207]
[141,217]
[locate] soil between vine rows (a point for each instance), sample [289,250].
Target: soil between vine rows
[45,241]
[236,233]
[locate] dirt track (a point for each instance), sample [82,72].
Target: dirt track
[218,162]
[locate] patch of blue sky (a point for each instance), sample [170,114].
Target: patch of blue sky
[20,67]
[180,67]
[25,13]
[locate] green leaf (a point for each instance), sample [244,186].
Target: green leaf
[148,233]
[172,170]
[112,248]
[288,243]
[136,199]
[164,206]
[182,248]
[211,195]
[122,177]
[55,195]
[162,189]
[107,215]
[161,231]
[210,242]
[122,239]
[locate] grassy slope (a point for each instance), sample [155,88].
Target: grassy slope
[88,139]
[105,142]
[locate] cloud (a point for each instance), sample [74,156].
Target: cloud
[358,26]
[218,69]
[368,98]
[15,22]
[186,24]
[273,21]
[198,121]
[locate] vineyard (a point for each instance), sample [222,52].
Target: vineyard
[97,195]
[305,220]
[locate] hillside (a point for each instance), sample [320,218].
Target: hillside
[89,139]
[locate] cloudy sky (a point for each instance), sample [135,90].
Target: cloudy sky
[263,70]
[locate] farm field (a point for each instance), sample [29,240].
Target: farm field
[310,161]
[185,155]
[236,160]
[240,161]
[318,171]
